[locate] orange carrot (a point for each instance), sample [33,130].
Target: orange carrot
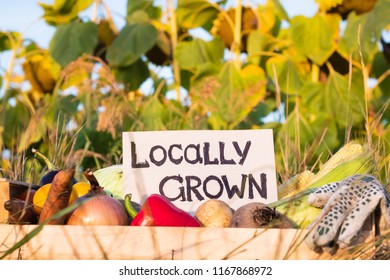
[58,196]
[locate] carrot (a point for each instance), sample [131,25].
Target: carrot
[58,196]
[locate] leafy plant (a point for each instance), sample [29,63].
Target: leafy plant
[307,78]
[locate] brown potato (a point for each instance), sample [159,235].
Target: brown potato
[214,213]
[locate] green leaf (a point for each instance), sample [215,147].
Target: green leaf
[306,132]
[290,75]
[55,105]
[146,6]
[380,68]
[7,40]
[72,40]
[36,129]
[258,42]
[312,97]
[316,37]
[138,16]
[204,70]
[370,26]
[195,13]
[132,75]
[239,92]
[63,11]
[152,114]
[345,105]
[194,53]
[349,44]
[270,15]
[132,42]
[279,9]
[14,123]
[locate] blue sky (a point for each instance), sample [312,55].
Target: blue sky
[24,16]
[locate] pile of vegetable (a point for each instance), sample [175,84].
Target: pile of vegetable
[90,203]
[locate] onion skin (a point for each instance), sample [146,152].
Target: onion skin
[99,210]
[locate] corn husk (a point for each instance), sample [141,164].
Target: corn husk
[298,209]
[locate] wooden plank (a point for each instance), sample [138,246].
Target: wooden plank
[123,242]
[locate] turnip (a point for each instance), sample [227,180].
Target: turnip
[214,213]
[259,215]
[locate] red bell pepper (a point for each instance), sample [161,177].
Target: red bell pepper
[159,211]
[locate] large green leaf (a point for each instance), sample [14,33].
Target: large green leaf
[132,42]
[344,103]
[316,37]
[370,26]
[312,94]
[270,16]
[307,135]
[258,43]
[63,11]
[72,40]
[194,53]
[290,75]
[132,75]
[195,13]
[146,6]
[336,99]
[238,93]
[56,105]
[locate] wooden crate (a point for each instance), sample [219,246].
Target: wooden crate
[124,242]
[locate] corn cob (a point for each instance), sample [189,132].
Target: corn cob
[295,184]
[298,209]
[346,152]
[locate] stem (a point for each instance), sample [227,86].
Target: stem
[315,72]
[129,207]
[95,187]
[237,33]
[15,46]
[176,68]
[367,92]
[95,10]
[48,163]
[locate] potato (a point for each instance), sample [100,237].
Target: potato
[259,215]
[214,213]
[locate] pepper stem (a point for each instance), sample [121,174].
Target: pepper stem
[48,163]
[129,207]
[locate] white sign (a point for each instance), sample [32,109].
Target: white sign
[191,166]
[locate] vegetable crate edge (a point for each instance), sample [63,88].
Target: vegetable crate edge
[124,242]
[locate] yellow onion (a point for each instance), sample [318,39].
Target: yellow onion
[97,208]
